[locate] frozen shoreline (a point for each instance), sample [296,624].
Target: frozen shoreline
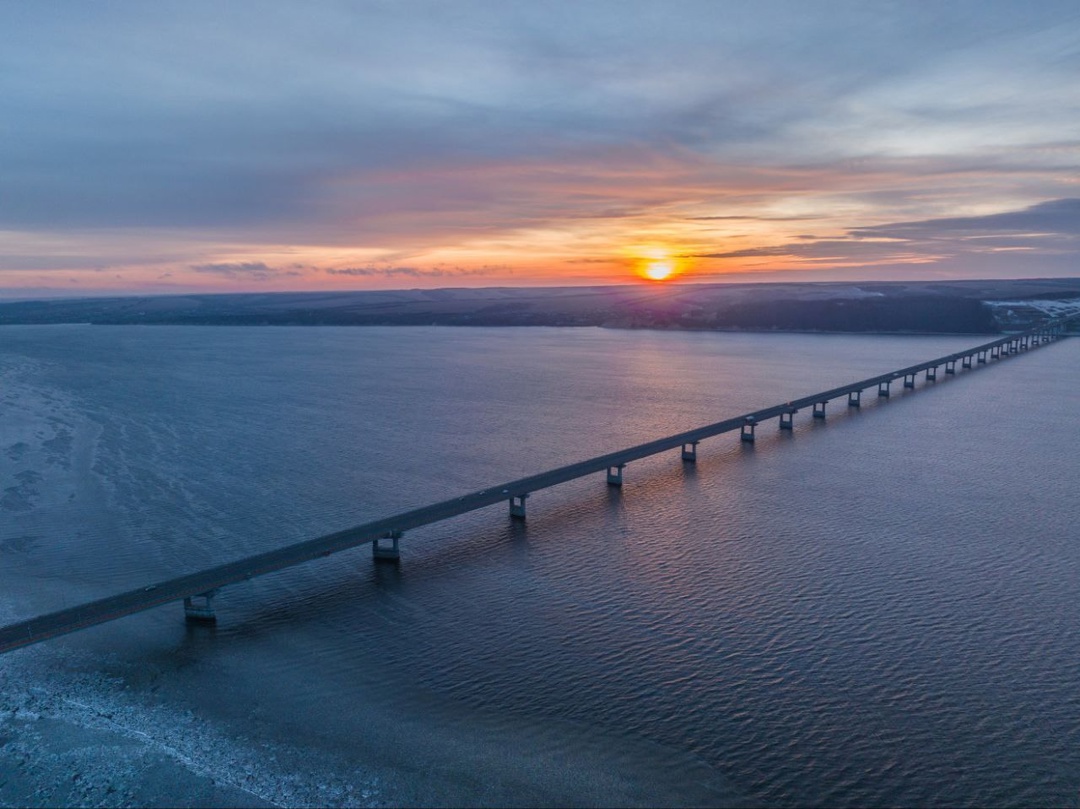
[82,740]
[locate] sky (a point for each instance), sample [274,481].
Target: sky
[175,147]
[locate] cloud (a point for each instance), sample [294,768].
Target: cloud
[251,270]
[414,272]
[750,252]
[751,218]
[414,132]
[1046,235]
[260,271]
[288,117]
[1057,217]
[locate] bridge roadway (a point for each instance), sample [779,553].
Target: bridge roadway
[206,582]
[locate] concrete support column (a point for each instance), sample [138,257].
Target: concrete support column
[966,362]
[909,380]
[787,420]
[517,506]
[201,611]
[931,374]
[614,475]
[854,398]
[819,410]
[388,552]
[982,358]
[747,433]
[689,452]
[883,389]
[950,367]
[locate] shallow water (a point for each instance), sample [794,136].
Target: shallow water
[874,610]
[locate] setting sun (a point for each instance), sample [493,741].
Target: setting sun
[659,270]
[655,263]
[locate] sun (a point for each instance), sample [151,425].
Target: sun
[659,269]
[656,262]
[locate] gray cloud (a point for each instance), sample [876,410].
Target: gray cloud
[130,116]
[414,272]
[1043,232]
[250,270]
[1059,217]
[751,218]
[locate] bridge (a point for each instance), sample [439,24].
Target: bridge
[197,590]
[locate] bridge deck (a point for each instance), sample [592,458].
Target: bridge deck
[107,609]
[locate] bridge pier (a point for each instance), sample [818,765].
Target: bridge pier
[966,362]
[982,358]
[883,389]
[950,366]
[517,507]
[819,409]
[200,612]
[909,380]
[854,398]
[787,420]
[386,553]
[614,475]
[689,452]
[931,374]
[747,432]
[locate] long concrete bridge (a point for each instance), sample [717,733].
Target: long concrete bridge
[197,590]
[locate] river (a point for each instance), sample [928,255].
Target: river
[878,609]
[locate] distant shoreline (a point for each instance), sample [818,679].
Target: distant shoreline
[887,308]
[187,324]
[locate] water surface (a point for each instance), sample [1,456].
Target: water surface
[878,609]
